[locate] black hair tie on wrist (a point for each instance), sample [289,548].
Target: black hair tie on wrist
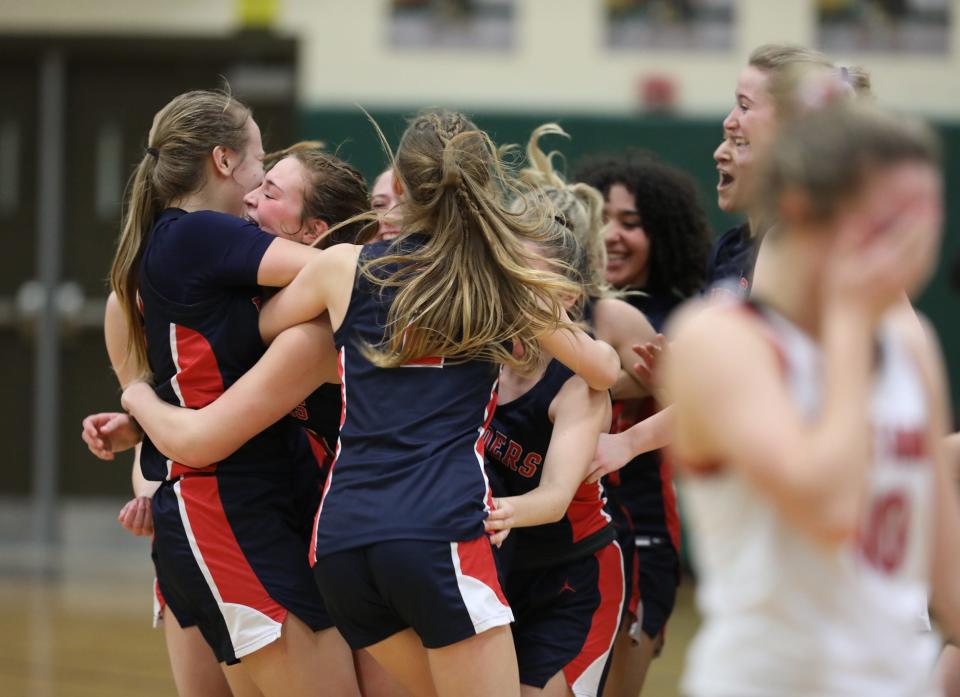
[154,152]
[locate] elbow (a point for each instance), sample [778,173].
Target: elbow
[555,514]
[607,370]
[557,507]
[189,451]
[198,458]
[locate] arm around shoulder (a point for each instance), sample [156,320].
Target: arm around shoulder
[323,285]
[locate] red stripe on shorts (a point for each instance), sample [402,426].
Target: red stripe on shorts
[476,561]
[229,569]
[606,618]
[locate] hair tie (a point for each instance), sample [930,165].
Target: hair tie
[154,152]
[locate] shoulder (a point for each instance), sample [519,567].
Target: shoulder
[714,341]
[212,218]
[699,318]
[577,399]
[616,320]
[739,233]
[615,310]
[342,253]
[201,226]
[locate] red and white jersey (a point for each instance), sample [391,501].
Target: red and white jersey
[785,615]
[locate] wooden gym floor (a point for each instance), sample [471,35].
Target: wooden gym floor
[84,630]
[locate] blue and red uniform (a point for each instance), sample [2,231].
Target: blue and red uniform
[643,503]
[399,537]
[229,547]
[565,580]
[319,416]
[730,267]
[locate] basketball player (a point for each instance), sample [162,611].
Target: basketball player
[809,425]
[565,579]
[223,564]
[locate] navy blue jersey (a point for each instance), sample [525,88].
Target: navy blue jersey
[198,287]
[516,443]
[732,260]
[656,308]
[644,486]
[320,414]
[409,463]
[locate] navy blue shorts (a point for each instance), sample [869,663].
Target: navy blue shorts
[627,539]
[658,575]
[230,561]
[567,619]
[445,591]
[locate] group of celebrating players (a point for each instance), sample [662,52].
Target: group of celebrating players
[406,442]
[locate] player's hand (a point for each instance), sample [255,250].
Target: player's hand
[500,521]
[498,537]
[613,452]
[887,246]
[137,516]
[651,356]
[110,432]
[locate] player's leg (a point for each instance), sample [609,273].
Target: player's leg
[375,680]
[483,665]
[403,657]
[196,672]
[627,666]
[303,663]
[658,575]
[241,684]
[555,687]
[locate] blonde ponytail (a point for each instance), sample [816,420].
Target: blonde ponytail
[468,292]
[183,134]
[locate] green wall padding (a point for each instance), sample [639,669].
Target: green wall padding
[683,142]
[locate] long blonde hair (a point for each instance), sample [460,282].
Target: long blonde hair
[579,210]
[183,134]
[468,292]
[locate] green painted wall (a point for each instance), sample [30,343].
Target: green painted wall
[685,143]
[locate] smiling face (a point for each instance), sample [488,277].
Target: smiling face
[753,117]
[734,158]
[277,204]
[628,247]
[384,200]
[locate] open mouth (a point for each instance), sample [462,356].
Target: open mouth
[726,179]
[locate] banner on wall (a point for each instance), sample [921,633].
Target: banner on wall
[689,25]
[452,24]
[888,26]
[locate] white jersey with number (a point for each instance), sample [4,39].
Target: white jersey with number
[786,616]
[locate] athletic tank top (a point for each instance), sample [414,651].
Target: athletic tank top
[786,616]
[409,461]
[516,444]
[201,305]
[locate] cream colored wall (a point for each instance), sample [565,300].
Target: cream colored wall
[559,60]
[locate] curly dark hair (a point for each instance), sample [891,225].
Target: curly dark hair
[671,214]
